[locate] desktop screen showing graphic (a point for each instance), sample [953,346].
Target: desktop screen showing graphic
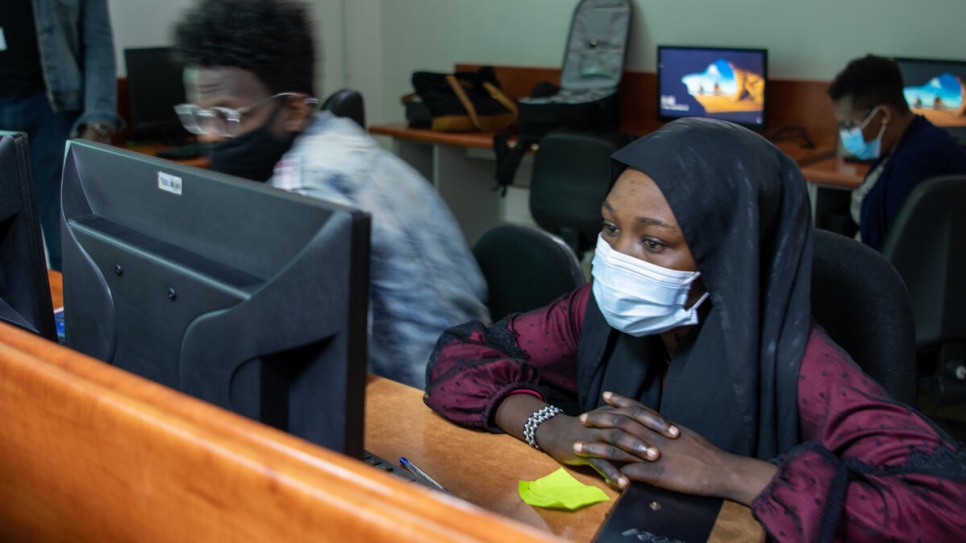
[719,83]
[935,89]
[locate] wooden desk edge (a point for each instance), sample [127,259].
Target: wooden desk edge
[480,140]
[117,457]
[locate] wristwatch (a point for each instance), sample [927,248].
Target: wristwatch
[102,129]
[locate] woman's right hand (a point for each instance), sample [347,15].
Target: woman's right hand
[557,436]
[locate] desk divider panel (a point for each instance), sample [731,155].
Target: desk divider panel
[89,452]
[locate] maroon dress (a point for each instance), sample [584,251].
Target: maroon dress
[866,468]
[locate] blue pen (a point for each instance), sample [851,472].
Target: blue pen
[420,473]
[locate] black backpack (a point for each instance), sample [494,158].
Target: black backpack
[587,98]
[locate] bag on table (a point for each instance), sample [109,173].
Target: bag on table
[459,102]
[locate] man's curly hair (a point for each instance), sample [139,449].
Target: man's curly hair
[270,38]
[870,81]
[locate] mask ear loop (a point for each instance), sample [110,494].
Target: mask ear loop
[884,124]
[700,301]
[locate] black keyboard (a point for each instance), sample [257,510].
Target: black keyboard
[395,469]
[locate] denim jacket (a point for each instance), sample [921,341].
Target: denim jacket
[77,52]
[424,277]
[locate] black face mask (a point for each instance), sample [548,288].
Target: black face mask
[252,155]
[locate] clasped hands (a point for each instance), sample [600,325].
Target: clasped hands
[625,440]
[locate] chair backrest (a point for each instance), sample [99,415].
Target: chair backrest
[346,103]
[524,268]
[927,246]
[571,177]
[859,298]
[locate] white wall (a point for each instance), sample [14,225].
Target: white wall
[375,45]
[143,23]
[149,23]
[807,39]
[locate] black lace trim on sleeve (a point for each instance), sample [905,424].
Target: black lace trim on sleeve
[944,461]
[502,337]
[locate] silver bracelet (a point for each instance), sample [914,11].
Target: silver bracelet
[536,419]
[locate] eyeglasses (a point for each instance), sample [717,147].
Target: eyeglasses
[223,122]
[852,123]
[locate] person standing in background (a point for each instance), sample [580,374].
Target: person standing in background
[57,80]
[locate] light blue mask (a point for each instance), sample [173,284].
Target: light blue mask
[855,143]
[640,298]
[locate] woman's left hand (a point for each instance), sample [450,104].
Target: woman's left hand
[688,463]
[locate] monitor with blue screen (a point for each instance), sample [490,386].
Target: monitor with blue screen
[720,83]
[935,89]
[246,296]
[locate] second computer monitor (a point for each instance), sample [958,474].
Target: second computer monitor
[243,295]
[155,85]
[935,89]
[715,82]
[24,290]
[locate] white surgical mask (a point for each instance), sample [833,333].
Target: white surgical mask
[640,298]
[855,143]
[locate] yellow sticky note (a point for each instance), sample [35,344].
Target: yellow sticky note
[560,490]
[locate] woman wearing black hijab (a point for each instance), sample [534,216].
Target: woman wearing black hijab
[692,362]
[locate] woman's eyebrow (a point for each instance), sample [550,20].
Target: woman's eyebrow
[655,222]
[644,220]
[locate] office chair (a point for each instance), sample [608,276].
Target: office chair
[346,103]
[927,246]
[860,299]
[571,177]
[524,268]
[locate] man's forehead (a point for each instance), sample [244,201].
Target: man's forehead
[218,83]
[844,108]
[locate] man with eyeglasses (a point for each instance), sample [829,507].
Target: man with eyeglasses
[876,124]
[249,79]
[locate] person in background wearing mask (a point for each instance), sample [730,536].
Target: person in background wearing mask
[876,124]
[57,80]
[692,362]
[249,77]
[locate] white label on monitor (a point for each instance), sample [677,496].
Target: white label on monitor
[169,183]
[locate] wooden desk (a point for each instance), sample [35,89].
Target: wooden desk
[461,166]
[478,140]
[85,435]
[56,288]
[485,468]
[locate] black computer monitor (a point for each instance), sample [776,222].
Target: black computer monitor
[716,82]
[24,290]
[243,295]
[155,84]
[935,89]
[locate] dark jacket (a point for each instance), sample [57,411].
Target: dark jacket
[924,151]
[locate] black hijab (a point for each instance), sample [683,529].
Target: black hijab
[744,212]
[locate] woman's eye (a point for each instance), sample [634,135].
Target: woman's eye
[653,245]
[608,228]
